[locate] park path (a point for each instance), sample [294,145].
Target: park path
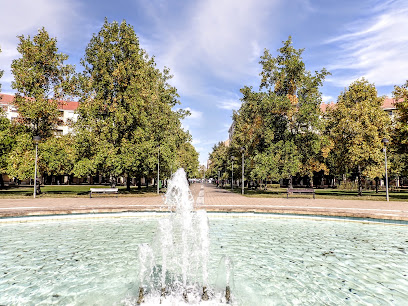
[207,197]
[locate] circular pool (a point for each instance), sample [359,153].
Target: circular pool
[277,260]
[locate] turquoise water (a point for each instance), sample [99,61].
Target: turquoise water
[277,260]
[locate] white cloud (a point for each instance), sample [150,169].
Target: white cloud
[217,38]
[26,17]
[194,120]
[196,142]
[327,98]
[375,48]
[230,104]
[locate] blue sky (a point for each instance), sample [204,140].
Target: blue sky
[213,46]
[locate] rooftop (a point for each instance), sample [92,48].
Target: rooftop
[63,105]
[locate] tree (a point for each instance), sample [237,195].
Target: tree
[7,142]
[399,149]
[283,119]
[42,80]
[219,160]
[57,155]
[188,159]
[357,125]
[126,121]
[400,94]
[1,74]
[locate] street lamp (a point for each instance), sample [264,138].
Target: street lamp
[242,184]
[232,172]
[386,141]
[36,140]
[158,168]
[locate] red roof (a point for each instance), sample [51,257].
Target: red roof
[389,103]
[63,105]
[6,99]
[68,105]
[323,106]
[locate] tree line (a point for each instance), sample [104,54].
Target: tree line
[127,118]
[283,134]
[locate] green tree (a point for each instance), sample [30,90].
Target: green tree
[42,80]
[20,161]
[57,155]
[7,142]
[399,149]
[283,119]
[356,125]
[188,159]
[401,127]
[219,160]
[1,74]
[125,116]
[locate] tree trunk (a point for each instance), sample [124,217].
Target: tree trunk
[128,182]
[290,181]
[311,180]
[139,183]
[360,183]
[1,182]
[376,184]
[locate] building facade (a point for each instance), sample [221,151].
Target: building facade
[66,108]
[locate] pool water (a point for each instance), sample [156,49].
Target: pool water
[277,260]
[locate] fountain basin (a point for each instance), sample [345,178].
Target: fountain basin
[93,259]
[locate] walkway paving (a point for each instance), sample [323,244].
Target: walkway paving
[210,198]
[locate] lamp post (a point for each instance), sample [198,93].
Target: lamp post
[158,168]
[232,172]
[242,183]
[386,141]
[36,140]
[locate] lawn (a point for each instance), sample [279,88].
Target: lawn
[56,191]
[329,193]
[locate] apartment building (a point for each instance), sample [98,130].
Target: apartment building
[66,108]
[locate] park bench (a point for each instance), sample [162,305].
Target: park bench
[103,190]
[300,191]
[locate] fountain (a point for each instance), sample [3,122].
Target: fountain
[191,257]
[175,267]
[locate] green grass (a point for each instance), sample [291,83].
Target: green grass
[329,193]
[56,191]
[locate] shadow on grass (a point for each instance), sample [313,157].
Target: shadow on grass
[401,195]
[71,191]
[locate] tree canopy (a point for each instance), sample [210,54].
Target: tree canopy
[42,80]
[280,125]
[126,121]
[356,125]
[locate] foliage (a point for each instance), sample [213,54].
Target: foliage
[280,126]
[399,149]
[401,130]
[7,142]
[188,159]
[57,155]
[126,121]
[21,159]
[1,74]
[41,80]
[219,160]
[357,125]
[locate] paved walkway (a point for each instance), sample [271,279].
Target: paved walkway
[210,198]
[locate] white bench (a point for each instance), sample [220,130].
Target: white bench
[103,190]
